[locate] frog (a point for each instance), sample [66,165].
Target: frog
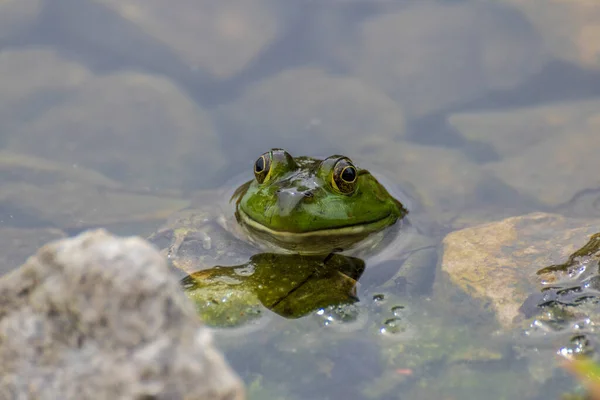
[294,211]
[306,205]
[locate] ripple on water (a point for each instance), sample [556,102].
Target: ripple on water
[396,323]
[343,318]
[568,303]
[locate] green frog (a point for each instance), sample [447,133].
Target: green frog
[305,205]
[295,212]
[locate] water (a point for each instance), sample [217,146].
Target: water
[114,113]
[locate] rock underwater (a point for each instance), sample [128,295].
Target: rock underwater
[98,316]
[498,263]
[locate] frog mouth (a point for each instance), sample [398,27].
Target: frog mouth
[360,229]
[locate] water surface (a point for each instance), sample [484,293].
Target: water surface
[114,112]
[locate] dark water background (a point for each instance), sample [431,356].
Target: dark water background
[114,113]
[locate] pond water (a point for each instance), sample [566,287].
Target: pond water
[117,113]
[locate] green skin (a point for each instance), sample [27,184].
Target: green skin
[290,285]
[304,205]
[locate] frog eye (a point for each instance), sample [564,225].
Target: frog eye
[262,166]
[344,176]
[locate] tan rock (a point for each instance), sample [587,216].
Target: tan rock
[498,262]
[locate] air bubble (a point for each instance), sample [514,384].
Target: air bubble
[392,326]
[378,298]
[397,310]
[346,317]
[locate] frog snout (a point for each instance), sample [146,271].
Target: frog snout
[285,194]
[289,199]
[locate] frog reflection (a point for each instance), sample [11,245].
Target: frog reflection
[290,285]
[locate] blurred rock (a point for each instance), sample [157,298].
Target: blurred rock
[510,132]
[429,56]
[16,245]
[550,152]
[17,15]
[497,263]
[76,205]
[31,81]
[442,180]
[16,167]
[331,113]
[54,194]
[570,29]
[220,38]
[584,205]
[556,170]
[100,317]
[133,127]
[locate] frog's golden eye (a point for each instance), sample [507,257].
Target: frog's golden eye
[262,166]
[344,176]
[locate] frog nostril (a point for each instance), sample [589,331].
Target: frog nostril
[308,194]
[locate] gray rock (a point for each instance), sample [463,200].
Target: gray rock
[99,317]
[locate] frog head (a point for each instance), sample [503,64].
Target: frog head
[308,205]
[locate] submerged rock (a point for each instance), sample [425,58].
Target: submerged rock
[498,263]
[96,316]
[570,29]
[429,56]
[218,38]
[39,192]
[560,146]
[115,125]
[18,15]
[34,80]
[332,113]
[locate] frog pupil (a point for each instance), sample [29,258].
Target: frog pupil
[259,166]
[349,174]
